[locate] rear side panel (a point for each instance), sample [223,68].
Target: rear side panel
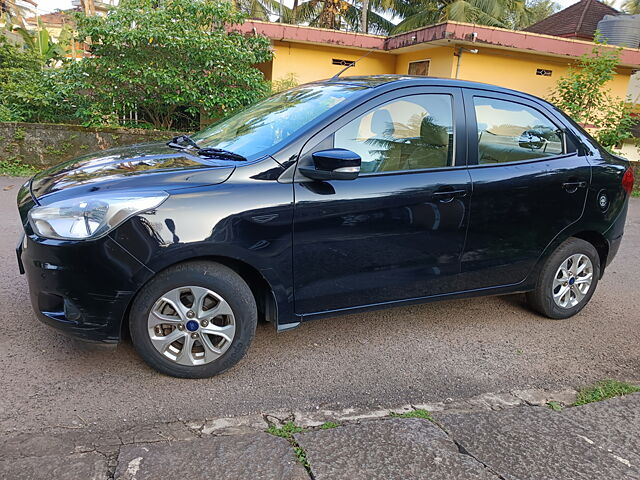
[607,201]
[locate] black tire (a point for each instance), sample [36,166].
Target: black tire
[541,299]
[215,277]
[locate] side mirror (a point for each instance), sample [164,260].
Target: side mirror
[531,140]
[334,164]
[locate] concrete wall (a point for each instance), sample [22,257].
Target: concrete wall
[311,62]
[441,61]
[41,144]
[495,66]
[518,71]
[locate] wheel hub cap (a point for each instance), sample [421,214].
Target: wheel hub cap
[192,325]
[572,281]
[179,313]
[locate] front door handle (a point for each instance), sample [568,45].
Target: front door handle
[446,196]
[572,187]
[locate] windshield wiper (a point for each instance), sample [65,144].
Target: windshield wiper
[182,141]
[185,142]
[221,153]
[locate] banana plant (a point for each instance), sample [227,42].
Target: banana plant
[42,44]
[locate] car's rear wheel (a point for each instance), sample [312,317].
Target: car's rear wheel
[193,320]
[567,280]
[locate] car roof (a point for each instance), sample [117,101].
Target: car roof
[373,81]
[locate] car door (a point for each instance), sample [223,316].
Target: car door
[397,231]
[529,184]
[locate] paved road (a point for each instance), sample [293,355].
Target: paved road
[412,354]
[504,439]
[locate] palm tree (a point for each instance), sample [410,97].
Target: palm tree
[632,7]
[262,9]
[340,14]
[496,13]
[364,23]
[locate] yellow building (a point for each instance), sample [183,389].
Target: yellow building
[525,61]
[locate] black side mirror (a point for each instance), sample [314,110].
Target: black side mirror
[334,164]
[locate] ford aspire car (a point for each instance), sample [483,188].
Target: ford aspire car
[334,197]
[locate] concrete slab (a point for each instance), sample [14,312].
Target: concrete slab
[48,444]
[535,443]
[227,457]
[614,426]
[171,432]
[401,448]
[85,466]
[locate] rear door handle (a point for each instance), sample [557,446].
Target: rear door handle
[448,195]
[573,187]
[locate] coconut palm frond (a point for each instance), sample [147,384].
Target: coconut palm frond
[484,12]
[417,20]
[632,7]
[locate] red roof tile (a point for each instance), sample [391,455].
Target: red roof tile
[579,20]
[55,18]
[447,33]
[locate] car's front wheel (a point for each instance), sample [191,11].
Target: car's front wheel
[567,280]
[193,320]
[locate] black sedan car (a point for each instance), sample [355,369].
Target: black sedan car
[338,196]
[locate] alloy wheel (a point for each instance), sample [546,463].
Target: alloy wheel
[191,325]
[572,281]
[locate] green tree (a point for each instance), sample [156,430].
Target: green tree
[170,61]
[583,94]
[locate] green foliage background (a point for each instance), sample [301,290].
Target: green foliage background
[583,94]
[162,64]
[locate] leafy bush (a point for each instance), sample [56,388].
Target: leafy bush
[29,92]
[168,62]
[583,94]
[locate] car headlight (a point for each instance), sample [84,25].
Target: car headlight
[92,216]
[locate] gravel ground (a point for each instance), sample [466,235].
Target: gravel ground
[416,354]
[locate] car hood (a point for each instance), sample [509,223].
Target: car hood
[150,165]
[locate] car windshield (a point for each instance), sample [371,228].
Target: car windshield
[273,120]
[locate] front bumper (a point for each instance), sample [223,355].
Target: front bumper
[83,289]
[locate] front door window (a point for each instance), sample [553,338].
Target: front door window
[412,133]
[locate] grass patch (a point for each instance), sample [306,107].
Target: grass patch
[603,390]
[285,431]
[12,168]
[418,413]
[554,405]
[302,457]
[328,425]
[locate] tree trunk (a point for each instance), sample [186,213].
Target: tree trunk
[89,7]
[364,24]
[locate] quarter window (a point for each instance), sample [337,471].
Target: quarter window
[509,132]
[413,133]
